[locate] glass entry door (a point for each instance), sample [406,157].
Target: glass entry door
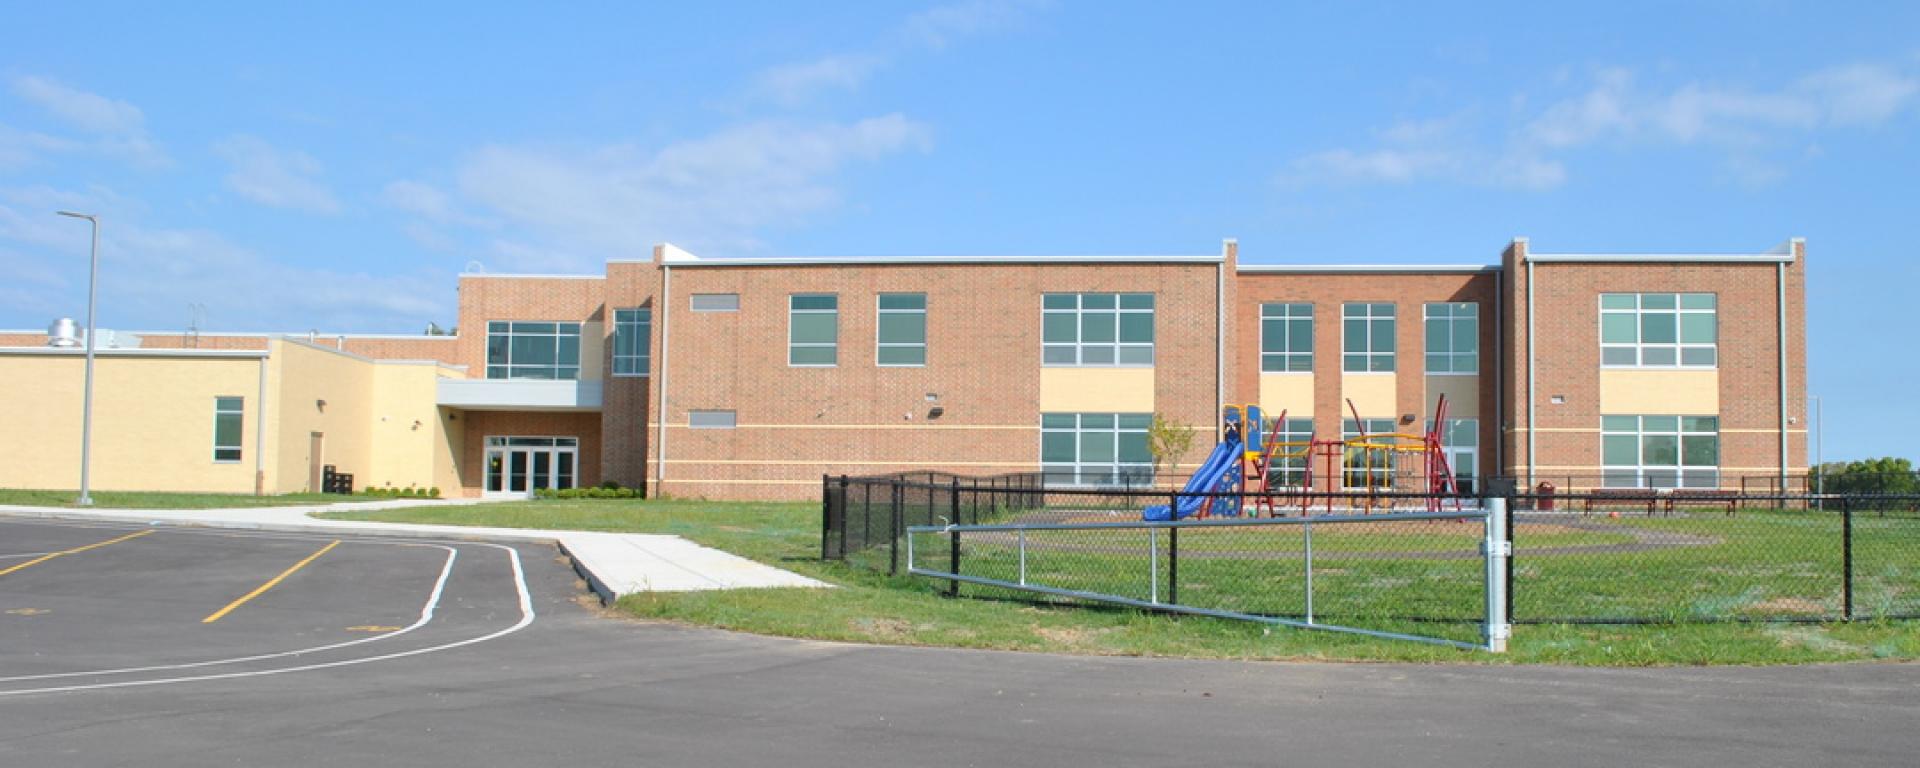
[517,466]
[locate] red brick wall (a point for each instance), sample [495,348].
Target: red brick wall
[1409,292]
[484,298]
[1567,358]
[983,329]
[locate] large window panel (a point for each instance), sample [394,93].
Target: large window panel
[228,428]
[1453,337]
[1097,329]
[813,330]
[1368,342]
[900,335]
[533,350]
[1659,330]
[1660,451]
[632,341]
[1286,338]
[1096,449]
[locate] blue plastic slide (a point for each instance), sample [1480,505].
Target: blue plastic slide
[1220,467]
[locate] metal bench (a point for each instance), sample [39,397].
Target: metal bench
[1702,497]
[1638,497]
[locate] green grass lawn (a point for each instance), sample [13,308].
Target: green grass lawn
[159,500]
[1352,580]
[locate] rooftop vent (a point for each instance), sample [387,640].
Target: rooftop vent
[63,333]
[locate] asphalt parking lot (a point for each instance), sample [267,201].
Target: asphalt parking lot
[457,653]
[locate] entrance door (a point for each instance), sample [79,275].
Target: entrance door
[517,466]
[316,461]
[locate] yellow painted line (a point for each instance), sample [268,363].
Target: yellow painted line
[74,551]
[271,583]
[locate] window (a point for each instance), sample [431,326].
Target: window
[1367,467]
[1289,467]
[1460,442]
[1369,338]
[714,302]
[813,330]
[900,335]
[228,414]
[521,350]
[632,334]
[1660,451]
[1453,338]
[1286,338]
[1097,329]
[1096,448]
[710,419]
[1659,330]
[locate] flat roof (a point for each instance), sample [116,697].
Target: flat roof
[1782,253]
[694,261]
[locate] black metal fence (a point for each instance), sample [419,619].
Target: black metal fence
[1607,556]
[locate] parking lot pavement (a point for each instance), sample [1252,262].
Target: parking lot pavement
[508,667]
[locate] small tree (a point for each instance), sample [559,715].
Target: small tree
[1168,440]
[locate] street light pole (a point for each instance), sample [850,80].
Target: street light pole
[86,408]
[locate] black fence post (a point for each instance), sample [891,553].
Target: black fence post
[845,503]
[898,516]
[1846,554]
[953,499]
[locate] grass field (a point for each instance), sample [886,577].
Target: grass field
[158,500]
[871,607]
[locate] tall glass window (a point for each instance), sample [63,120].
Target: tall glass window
[813,330]
[1659,330]
[1097,329]
[1098,449]
[1368,331]
[1460,441]
[1286,338]
[1289,467]
[1367,467]
[632,337]
[228,417]
[1453,337]
[900,330]
[1660,451]
[530,350]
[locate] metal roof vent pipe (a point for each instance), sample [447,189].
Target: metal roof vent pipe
[63,333]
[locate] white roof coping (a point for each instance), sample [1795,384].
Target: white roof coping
[507,276]
[674,256]
[1378,268]
[1782,253]
[81,351]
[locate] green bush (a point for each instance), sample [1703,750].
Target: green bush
[600,492]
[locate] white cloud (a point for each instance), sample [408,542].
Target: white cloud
[116,127]
[272,177]
[19,148]
[793,83]
[1747,125]
[149,274]
[940,26]
[616,201]
[931,29]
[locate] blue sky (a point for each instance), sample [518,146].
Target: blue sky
[292,169]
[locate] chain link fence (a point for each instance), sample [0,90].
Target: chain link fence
[1603,556]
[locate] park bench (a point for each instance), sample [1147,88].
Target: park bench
[1637,497]
[1702,497]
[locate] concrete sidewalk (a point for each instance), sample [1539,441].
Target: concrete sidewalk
[615,564]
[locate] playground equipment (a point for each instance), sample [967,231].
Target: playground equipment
[1252,455]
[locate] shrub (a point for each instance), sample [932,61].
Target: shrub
[433,492]
[586,493]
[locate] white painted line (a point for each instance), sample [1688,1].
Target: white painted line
[25,554]
[526,618]
[426,615]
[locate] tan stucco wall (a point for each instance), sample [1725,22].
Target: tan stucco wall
[1372,393]
[1290,392]
[152,422]
[1463,396]
[407,433]
[1629,392]
[1096,390]
[302,377]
